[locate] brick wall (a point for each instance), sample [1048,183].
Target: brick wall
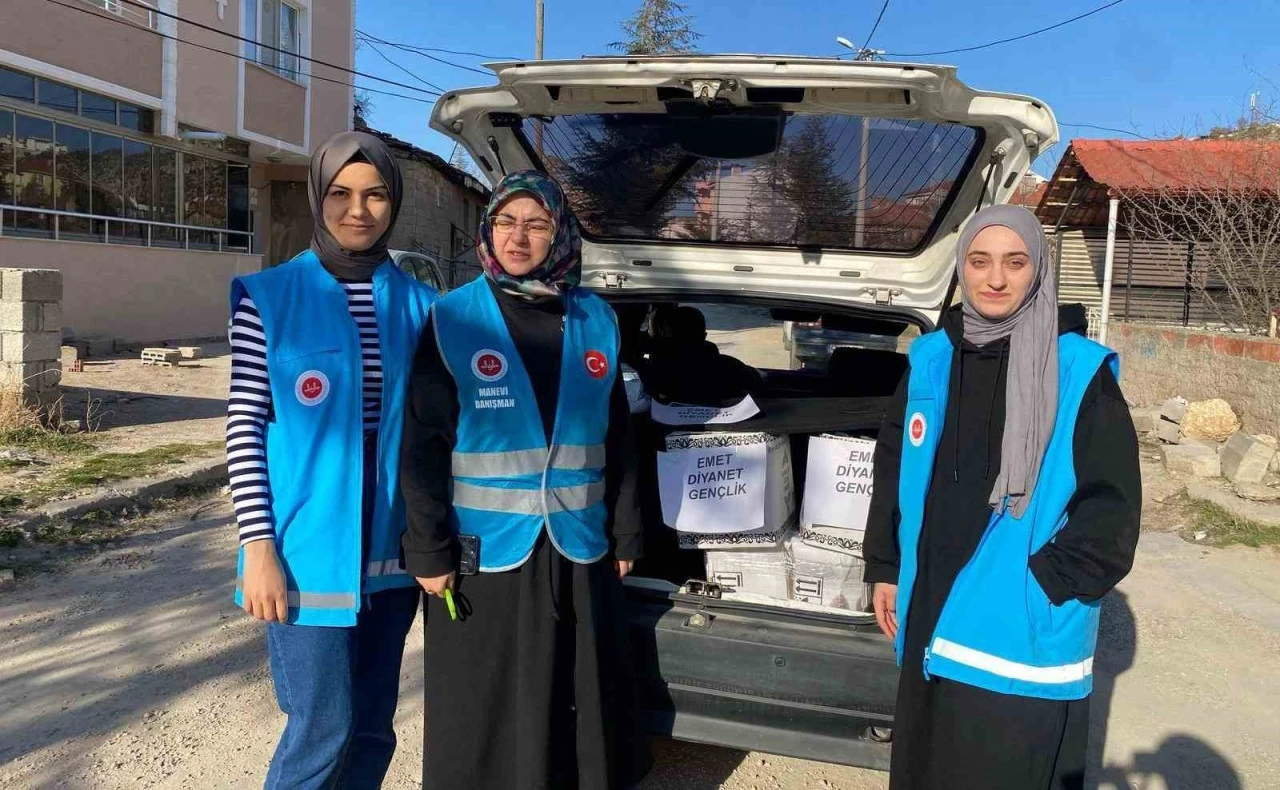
[432,206]
[1158,363]
[30,332]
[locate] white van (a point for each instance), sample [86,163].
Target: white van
[818,193]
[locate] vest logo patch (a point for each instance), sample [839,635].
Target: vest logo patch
[597,364]
[311,388]
[489,365]
[916,429]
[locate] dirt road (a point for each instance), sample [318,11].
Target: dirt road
[133,669]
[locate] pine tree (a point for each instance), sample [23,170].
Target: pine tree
[659,27]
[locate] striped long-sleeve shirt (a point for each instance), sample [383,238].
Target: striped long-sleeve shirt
[249,405]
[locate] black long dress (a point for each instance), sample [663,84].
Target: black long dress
[534,688]
[948,734]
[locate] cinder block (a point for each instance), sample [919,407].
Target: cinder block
[31,346]
[1174,409]
[31,285]
[1169,432]
[1245,459]
[1144,420]
[20,316]
[1192,459]
[190,352]
[31,378]
[51,317]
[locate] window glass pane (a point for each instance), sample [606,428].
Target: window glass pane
[17,86]
[137,118]
[33,139]
[71,186]
[270,31]
[99,108]
[215,195]
[238,205]
[137,188]
[166,196]
[57,96]
[250,9]
[288,41]
[6,157]
[106,183]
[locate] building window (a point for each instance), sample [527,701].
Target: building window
[6,157]
[166,197]
[64,98]
[204,197]
[33,172]
[274,24]
[71,189]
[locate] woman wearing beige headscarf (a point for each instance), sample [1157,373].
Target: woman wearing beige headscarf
[1007,503]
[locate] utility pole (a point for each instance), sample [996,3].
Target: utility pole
[539,14]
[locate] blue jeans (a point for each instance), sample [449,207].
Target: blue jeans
[339,687]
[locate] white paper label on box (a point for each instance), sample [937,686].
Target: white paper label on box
[713,490]
[838,482]
[685,414]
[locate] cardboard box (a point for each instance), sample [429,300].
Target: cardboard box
[837,493]
[727,490]
[764,572]
[827,578]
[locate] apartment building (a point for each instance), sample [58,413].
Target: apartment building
[152,151]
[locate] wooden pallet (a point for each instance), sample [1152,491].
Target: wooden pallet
[162,357]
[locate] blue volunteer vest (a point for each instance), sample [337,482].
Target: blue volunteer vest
[998,630]
[508,485]
[315,437]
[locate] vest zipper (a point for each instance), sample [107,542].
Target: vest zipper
[926,663]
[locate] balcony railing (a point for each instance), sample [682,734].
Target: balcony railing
[69,226]
[137,11]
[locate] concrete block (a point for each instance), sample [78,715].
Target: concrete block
[31,346]
[1256,492]
[1145,420]
[1169,432]
[20,316]
[30,378]
[190,352]
[51,317]
[1245,459]
[1192,459]
[1174,409]
[31,285]
[70,354]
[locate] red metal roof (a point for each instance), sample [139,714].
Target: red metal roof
[1176,165]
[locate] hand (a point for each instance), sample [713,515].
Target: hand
[624,567]
[264,596]
[436,585]
[885,599]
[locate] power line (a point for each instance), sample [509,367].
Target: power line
[382,55]
[1104,129]
[1064,22]
[464,53]
[421,53]
[876,26]
[122,21]
[211,29]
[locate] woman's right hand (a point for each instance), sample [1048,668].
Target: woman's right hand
[436,585]
[264,595]
[885,599]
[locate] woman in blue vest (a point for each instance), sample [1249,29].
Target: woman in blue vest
[1007,502]
[517,438]
[321,352]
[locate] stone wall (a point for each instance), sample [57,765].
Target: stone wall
[31,332]
[433,207]
[1158,363]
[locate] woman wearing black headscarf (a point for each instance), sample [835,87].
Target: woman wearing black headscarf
[516,439]
[1007,502]
[321,349]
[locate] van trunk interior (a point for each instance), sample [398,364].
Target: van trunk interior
[840,373]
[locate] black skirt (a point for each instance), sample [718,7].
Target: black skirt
[533,687]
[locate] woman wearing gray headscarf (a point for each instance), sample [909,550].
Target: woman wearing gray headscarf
[1007,502]
[321,352]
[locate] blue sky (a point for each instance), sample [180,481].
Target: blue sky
[1157,67]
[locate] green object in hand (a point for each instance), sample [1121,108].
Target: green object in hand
[448,601]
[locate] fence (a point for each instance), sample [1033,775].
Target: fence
[135,10]
[39,223]
[1152,282]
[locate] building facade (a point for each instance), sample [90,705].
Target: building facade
[152,151]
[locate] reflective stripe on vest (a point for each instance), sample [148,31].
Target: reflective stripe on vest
[526,501]
[1066,673]
[527,462]
[309,600]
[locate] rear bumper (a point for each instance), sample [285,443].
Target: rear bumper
[763,678]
